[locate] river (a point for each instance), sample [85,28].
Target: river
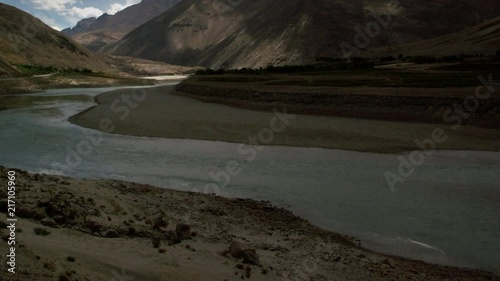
[448,212]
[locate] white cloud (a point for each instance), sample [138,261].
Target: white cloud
[53,5]
[71,13]
[116,7]
[86,12]
[65,9]
[48,21]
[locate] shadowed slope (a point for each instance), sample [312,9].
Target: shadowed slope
[262,32]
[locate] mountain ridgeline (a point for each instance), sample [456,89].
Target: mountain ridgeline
[25,40]
[235,34]
[94,33]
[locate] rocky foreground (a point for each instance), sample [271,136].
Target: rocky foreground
[71,229]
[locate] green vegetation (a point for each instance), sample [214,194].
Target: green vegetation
[29,70]
[285,69]
[35,70]
[439,72]
[336,63]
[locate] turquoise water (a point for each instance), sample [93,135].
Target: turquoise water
[447,212]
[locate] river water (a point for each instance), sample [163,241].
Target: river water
[448,212]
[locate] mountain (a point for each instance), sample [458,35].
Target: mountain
[25,39]
[480,39]
[96,33]
[80,27]
[6,69]
[262,32]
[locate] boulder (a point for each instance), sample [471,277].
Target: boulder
[250,256]
[159,221]
[49,222]
[183,231]
[111,233]
[235,249]
[173,238]
[247,255]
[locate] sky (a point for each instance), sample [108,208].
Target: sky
[60,14]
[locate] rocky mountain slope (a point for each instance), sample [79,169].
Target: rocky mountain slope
[234,34]
[480,39]
[80,27]
[26,40]
[94,33]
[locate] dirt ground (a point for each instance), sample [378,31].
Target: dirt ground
[71,229]
[162,114]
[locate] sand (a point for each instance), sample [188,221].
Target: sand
[113,230]
[162,114]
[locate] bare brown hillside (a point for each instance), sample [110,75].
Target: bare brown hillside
[235,34]
[25,39]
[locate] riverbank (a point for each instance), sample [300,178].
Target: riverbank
[103,229]
[388,95]
[123,71]
[162,114]
[28,85]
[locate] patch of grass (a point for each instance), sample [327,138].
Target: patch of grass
[29,70]
[35,69]
[41,231]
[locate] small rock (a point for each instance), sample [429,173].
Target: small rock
[248,255]
[93,226]
[160,221]
[183,231]
[235,249]
[173,238]
[111,233]
[131,231]
[59,219]
[156,242]
[387,262]
[49,222]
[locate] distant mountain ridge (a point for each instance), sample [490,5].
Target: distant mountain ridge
[80,27]
[235,34]
[94,33]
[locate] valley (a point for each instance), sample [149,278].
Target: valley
[195,140]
